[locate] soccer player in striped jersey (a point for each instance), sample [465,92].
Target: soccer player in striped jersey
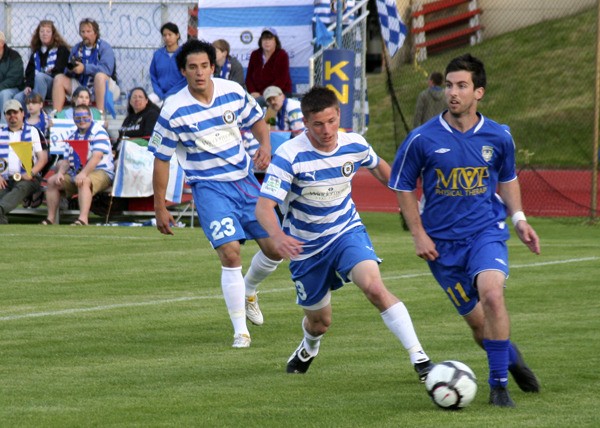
[201,125]
[463,158]
[323,236]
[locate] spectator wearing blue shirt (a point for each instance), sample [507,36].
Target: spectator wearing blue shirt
[166,78]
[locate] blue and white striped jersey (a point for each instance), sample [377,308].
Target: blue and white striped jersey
[313,188]
[460,173]
[99,141]
[206,137]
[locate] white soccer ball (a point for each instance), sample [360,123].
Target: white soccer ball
[451,385]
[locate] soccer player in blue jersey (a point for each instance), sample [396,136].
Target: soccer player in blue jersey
[323,236]
[463,158]
[200,124]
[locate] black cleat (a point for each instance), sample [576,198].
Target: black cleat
[300,360]
[499,397]
[523,375]
[423,369]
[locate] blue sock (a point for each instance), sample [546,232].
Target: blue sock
[512,355]
[497,352]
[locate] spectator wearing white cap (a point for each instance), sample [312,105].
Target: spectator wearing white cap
[11,73]
[287,111]
[269,65]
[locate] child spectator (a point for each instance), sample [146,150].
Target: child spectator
[36,116]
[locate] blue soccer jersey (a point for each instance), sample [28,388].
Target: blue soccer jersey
[460,173]
[313,188]
[206,137]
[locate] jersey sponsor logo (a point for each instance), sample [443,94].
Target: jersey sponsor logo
[220,138]
[155,140]
[442,151]
[272,185]
[487,152]
[228,117]
[326,193]
[347,169]
[463,181]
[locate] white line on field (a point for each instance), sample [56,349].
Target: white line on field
[219,296]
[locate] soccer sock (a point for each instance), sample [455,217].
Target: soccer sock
[232,284]
[497,352]
[397,319]
[513,357]
[260,267]
[312,343]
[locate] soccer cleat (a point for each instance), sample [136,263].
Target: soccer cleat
[523,375]
[253,312]
[423,369]
[499,397]
[241,341]
[300,360]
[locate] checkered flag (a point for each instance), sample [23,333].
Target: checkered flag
[393,29]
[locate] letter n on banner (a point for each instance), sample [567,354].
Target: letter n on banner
[338,75]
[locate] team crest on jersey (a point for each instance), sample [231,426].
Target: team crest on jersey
[487,152]
[3,165]
[228,117]
[348,169]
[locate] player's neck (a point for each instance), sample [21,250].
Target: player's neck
[462,122]
[204,95]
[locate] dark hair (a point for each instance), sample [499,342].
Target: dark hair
[137,88]
[437,78]
[57,39]
[262,36]
[194,46]
[94,25]
[471,64]
[78,91]
[173,28]
[318,99]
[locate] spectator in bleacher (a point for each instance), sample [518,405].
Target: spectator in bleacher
[166,78]
[287,111]
[36,116]
[49,57]
[228,67]
[269,65]
[142,115]
[91,64]
[11,73]
[431,101]
[96,175]
[16,183]
[81,96]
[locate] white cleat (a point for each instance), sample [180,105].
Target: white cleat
[253,312]
[241,341]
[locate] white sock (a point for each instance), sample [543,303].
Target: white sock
[397,319]
[232,284]
[311,343]
[260,267]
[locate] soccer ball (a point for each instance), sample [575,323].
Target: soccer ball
[451,385]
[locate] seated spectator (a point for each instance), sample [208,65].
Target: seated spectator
[16,183]
[228,67]
[91,64]
[287,111]
[95,176]
[142,115]
[49,57]
[165,76]
[81,96]
[36,116]
[269,65]
[11,73]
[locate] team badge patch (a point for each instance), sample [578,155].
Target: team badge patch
[273,184]
[3,165]
[228,117]
[487,152]
[347,169]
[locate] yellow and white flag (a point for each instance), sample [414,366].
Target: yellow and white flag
[24,150]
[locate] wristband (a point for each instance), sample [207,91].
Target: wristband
[517,217]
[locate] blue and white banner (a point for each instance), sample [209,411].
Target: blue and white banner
[133,175]
[60,131]
[241,23]
[393,29]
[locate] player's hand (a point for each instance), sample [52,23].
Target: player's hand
[164,220]
[80,179]
[286,246]
[262,158]
[425,247]
[3,183]
[528,236]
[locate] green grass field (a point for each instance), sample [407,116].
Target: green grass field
[115,326]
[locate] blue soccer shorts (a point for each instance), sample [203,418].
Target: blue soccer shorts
[329,269]
[226,210]
[461,261]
